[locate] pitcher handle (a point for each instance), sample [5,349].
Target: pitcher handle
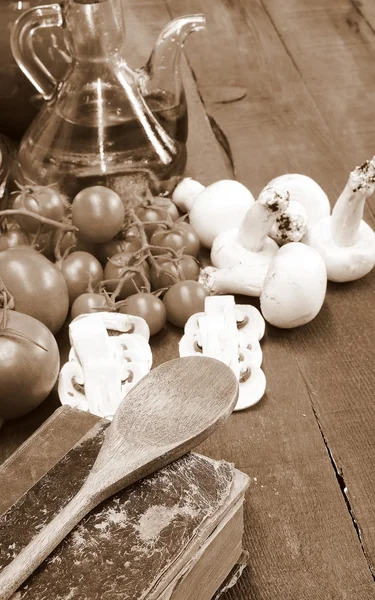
[21,41]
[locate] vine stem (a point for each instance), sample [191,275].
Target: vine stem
[145,246]
[44,220]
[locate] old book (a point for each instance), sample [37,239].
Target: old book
[176,535]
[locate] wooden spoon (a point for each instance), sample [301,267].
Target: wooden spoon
[171,410]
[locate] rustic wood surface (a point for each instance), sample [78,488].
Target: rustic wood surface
[162,419]
[287,87]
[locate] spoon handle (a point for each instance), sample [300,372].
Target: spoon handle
[43,543]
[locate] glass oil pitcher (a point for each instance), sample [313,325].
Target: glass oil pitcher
[104,123]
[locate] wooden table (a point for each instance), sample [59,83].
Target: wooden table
[288,87]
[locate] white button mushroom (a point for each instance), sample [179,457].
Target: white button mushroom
[295,286]
[344,240]
[307,192]
[291,225]
[185,193]
[219,207]
[244,255]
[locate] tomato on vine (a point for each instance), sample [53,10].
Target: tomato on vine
[43,201]
[184,299]
[81,270]
[167,205]
[122,266]
[151,216]
[99,214]
[117,245]
[149,307]
[167,270]
[13,238]
[181,236]
[88,302]
[69,240]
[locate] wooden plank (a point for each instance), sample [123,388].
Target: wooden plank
[299,533]
[275,127]
[335,59]
[256,60]
[366,8]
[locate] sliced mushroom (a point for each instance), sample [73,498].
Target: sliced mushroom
[249,320]
[250,351]
[71,374]
[252,387]
[127,343]
[119,322]
[189,345]
[130,375]
[192,324]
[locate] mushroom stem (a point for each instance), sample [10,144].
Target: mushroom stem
[238,279]
[348,210]
[260,217]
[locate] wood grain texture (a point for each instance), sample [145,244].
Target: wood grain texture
[275,53]
[335,59]
[18,474]
[156,528]
[166,414]
[290,86]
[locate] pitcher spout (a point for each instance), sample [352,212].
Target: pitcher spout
[164,62]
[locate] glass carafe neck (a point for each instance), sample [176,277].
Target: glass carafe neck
[95,31]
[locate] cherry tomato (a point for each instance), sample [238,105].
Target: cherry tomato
[37,286]
[12,238]
[80,269]
[115,246]
[149,215]
[147,306]
[171,271]
[99,213]
[41,200]
[28,367]
[117,267]
[184,299]
[180,236]
[167,205]
[88,303]
[74,242]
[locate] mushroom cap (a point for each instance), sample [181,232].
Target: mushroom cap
[227,251]
[295,286]
[344,263]
[219,207]
[307,192]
